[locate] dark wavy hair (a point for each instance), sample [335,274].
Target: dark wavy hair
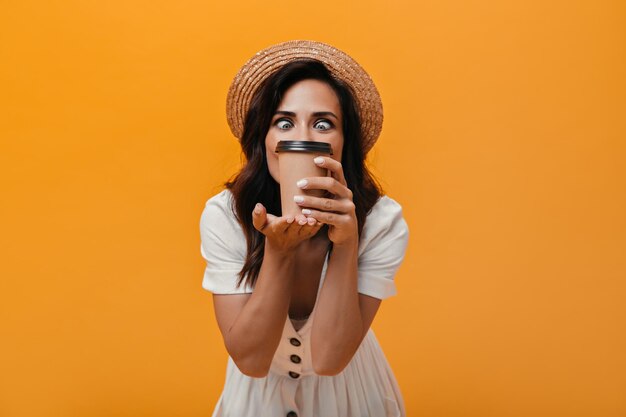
[253,183]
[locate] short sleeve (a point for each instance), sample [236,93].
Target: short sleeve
[384,239]
[223,246]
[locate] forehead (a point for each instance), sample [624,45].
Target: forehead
[310,95]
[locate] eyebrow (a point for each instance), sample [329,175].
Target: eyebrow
[316,114]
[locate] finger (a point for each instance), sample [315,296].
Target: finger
[335,167]
[326,204]
[310,228]
[329,184]
[301,220]
[283,224]
[307,225]
[333,219]
[259,217]
[288,224]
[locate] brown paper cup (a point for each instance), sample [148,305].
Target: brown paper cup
[295,161]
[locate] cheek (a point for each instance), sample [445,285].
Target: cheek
[337,152]
[270,146]
[272,159]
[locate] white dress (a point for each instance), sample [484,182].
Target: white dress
[367,386]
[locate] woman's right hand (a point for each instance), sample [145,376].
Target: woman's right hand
[284,233]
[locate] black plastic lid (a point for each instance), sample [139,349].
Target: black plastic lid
[304,146]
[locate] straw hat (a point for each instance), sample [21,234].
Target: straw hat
[340,65]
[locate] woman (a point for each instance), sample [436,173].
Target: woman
[295,297]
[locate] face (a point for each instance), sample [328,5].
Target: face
[310,110]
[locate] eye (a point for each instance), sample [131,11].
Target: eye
[324,124]
[283,123]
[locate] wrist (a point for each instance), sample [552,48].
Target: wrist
[278,251]
[346,246]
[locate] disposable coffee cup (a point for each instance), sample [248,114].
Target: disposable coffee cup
[295,161]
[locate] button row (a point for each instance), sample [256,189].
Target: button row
[294,375]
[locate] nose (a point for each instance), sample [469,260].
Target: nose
[304,132]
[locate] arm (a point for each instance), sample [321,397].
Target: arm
[355,284]
[252,324]
[343,316]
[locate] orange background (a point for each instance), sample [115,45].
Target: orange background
[504,141]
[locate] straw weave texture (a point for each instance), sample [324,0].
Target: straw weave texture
[340,65]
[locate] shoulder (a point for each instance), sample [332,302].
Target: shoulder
[221,205]
[385,213]
[223,199]
[384,221]
[223,245]
[384,207]
[382,246]
[218,215]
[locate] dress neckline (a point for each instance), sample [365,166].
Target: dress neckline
[317,296]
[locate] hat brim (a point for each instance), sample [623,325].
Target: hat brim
[340,65]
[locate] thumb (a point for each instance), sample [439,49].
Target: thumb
[259,217]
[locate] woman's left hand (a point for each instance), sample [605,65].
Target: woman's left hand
[339,211]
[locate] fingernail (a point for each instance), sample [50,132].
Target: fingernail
[290,220]
[257,209]
[306,211]
[302,183]
[302,222]
[298,198]
[318,160]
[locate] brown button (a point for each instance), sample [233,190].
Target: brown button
[292,414]
[294,375]
[294,341]
[295,359]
